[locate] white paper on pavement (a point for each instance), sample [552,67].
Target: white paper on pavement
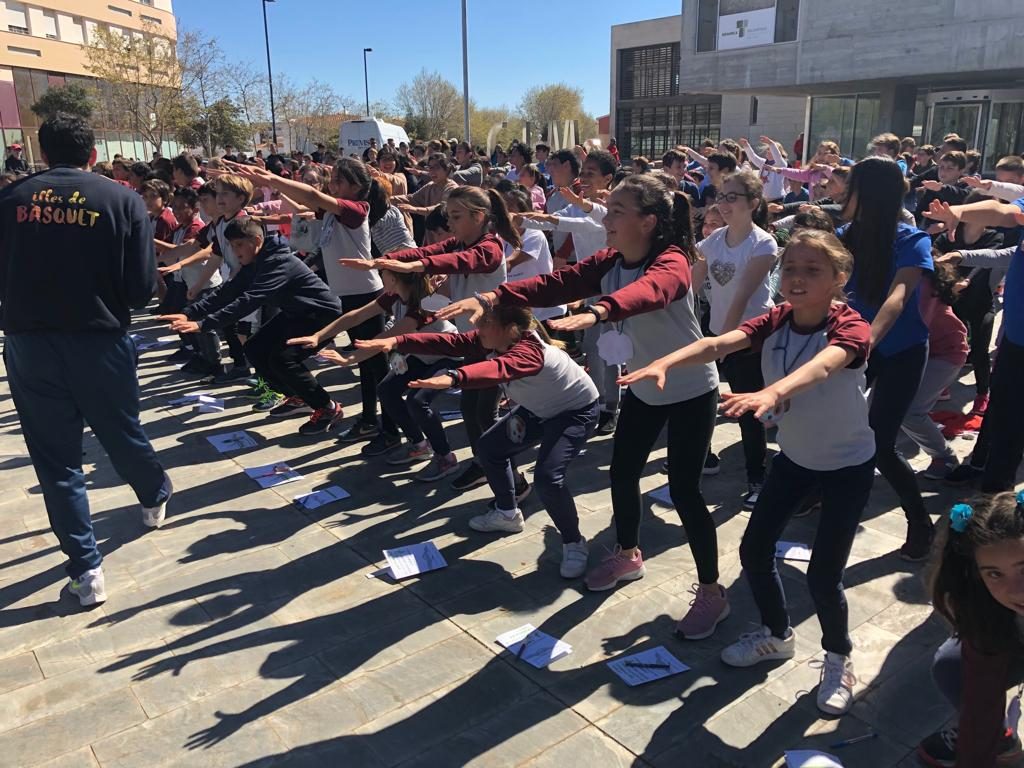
[231,441]
[533,646]
[414,559]
[270,475]
[793,550]
[188,399]
[208,404]
[316,499]
[647,666]
[810,758]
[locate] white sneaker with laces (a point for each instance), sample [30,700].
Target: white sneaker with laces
[574,559]
[153,517]
[90,588]
[754,647]
[835,691]
[497,521]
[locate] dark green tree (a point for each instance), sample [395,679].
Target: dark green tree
[72,99]
[222,125]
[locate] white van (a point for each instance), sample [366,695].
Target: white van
[356,134]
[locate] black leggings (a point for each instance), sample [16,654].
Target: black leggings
[1000,445]
[894,380]
[479,412]
[281,365]
[372,371]
[743,372]
[690,424]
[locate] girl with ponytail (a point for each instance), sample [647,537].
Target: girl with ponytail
[739,258]
[474,261]
[646,310]
[345,244]
[556,408]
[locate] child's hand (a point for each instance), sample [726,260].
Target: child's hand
[436,281]
[760,403]
[456,308]
[653,371]
[444,381]
[306,342]
[364,265]
[977,183]
[940,211]
[185,326]
[377,345]
[775,208]
[931,185]
[333,356]
[400,267]
[577,322]
[171,319]
[169,269]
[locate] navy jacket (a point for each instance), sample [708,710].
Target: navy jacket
[76,253]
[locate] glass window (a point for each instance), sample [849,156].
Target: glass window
[707,25]
[26,98]
[787,13]
[49,25]
[1004,132]
[649,72]
[850,121]
[865,124]
[652,131]
[17,18]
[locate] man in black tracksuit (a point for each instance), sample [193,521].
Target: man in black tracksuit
[76,256]
[274,278]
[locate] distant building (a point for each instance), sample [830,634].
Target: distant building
[42,45]
[834,69]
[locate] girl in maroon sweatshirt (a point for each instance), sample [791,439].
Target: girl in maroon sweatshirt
[474,261]
[409,410]
[556,407]
[978,587]
[647,310]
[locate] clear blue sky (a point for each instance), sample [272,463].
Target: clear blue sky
[512,45]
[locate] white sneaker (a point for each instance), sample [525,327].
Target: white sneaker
[497,521]
[153,517]
[755,647]
[90,588]
[574,559]
[835,691]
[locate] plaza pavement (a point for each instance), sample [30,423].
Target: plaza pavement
[246,632]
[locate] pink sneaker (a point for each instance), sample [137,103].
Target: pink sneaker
[709,607]
[980,405]
[614,568]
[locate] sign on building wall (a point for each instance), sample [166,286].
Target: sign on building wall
[743,23]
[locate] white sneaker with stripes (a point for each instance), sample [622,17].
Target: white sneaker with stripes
[755,647]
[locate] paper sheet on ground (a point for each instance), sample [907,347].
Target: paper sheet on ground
[810,758]
[316,499]
[231,441]
[270,475]
[793,550]
[208,404]
[414,559]
[634,675]
[188,399]
[661,495]
[538,648]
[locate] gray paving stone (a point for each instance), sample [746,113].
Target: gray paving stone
[18,671]
[55,736]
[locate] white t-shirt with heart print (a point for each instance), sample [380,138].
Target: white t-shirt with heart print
[726,265]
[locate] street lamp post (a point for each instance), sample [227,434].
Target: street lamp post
[366,79]
[465,72]
[270,74]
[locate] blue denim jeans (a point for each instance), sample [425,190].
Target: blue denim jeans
[561,439]
[411,409]
[60,382]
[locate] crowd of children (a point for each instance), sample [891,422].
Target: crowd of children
[839,300]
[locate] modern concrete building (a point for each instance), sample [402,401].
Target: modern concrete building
[830,68]
[42,44]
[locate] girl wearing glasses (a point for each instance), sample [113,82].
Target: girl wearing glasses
[738,259]
[645,309]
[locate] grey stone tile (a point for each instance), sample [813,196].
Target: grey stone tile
[57,735]
[586,747]
[18,671]
[80,758]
